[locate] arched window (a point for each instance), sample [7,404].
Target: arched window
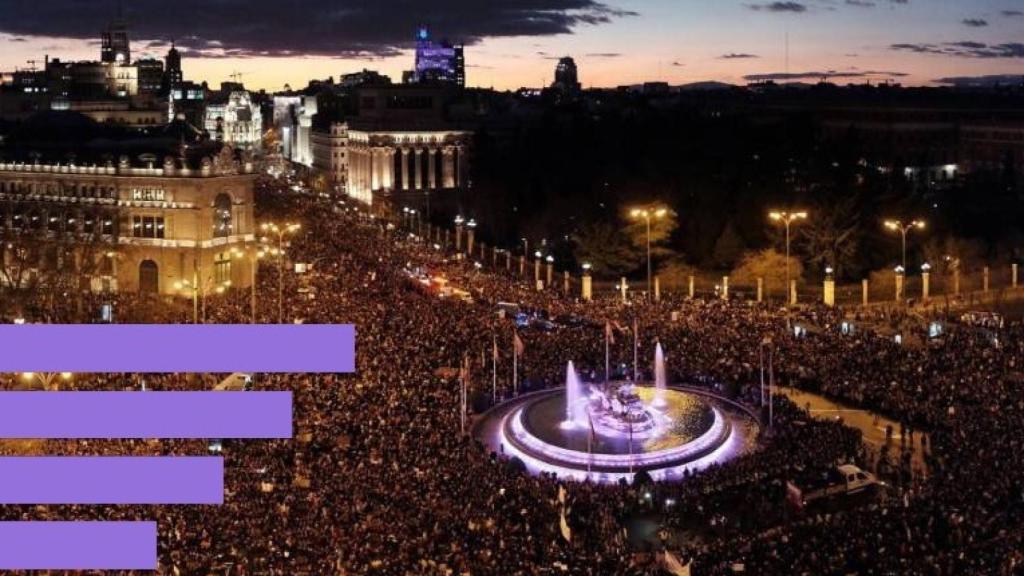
[222,220]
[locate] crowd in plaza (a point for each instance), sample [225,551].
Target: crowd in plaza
[381,480]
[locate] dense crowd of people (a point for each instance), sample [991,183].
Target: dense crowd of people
[380,479]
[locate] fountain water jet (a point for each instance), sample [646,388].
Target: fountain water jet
[574,412]
[660,383]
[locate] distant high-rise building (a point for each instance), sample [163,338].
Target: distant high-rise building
[150,75]
[566,76]
[439,61]
[114,46]
[173,76]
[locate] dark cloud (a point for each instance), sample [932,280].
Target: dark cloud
[966,49]
[978,81]
[779,7]
[975,22]
[1012,13]
[831,74]
[333,28]
[737,56]
[860,3]
[603,55]
[678,64]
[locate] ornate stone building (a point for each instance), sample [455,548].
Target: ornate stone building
[383,161]
[398,142]
[137,224]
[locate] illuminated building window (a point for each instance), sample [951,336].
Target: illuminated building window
[147,227]
[222,268]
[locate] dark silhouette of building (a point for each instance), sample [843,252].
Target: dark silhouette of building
[173,76]
[566,77]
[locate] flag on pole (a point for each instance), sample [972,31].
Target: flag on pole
[517,344]
[608,334]
[564,526]
[494,348]
[593,433]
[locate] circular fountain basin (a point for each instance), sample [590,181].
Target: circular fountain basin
[687,430]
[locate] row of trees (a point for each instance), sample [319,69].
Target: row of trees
[567,178]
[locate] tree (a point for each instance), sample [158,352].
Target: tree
[769,265]
[675,274]
[605,248]
[832,237]
[728,247]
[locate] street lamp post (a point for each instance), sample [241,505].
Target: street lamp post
[459,221]
[280,232]
[904,229]
[199,293]
[470,236]
[647,214]
[254,257]
[787,219]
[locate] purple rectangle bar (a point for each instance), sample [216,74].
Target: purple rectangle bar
[111,480]
[78,546]
[280,348]
[145,415]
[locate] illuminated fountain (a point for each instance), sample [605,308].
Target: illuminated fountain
[609,431]
[575,409]
[660,381]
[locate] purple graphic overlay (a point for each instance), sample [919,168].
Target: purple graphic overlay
[111,480]
[279,348]
[78,546]
[146,415]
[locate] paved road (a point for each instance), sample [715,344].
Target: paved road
[871,425]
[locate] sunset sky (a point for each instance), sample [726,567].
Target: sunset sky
[514,43]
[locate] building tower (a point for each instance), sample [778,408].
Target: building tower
[566,77]
[460,66]
[172,69]
[114,47]
[437,61]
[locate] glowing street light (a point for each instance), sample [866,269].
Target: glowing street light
[647,214]
[255,255]
[787,219]
[199,294]
[904,229]
[280,232]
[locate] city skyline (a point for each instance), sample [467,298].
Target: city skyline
[911,42]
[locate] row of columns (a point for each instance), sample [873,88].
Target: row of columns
[373,168]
